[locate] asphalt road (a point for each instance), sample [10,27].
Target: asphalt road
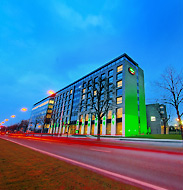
[161,169]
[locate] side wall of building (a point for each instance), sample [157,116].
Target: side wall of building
[131,104]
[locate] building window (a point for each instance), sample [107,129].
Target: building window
[119,92]
[119,83]
[83,97]
[119,68]
[90,82]
[86,118]
[48,116]
[71,91]
[88,101]
[119,100]
[119,76]
[84,90]
[103,76]
[153,118]
[96,79]
[109,114]
[111,80]
[95,93]
[84,85]
[119,113]
[110,73]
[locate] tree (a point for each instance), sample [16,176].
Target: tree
[172,85]
[24,124]
[101,97]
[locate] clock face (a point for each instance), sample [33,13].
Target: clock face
[131,70]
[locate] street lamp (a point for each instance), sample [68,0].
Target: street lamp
[13,116]
[50,92]
[23,109]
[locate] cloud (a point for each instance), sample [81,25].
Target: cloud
[77,20]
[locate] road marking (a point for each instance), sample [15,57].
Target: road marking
[100,150]
[155,187]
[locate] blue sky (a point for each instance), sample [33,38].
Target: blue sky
[48,44]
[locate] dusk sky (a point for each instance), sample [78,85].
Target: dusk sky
[48,44]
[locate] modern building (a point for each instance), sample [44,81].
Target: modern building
[41,114]
[127,117]
[157,118]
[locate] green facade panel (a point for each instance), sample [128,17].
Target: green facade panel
[142,106]
[131,104]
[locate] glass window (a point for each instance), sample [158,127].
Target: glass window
[83,97]
[119,113]
[119,100]
[86,118]
[110,86]
[110,73]
[103,76]
[119,83]
[96,79]
[119,92]
[88,101]
[71,91]
[119,76]
[90,82]
[109,114]
[84,90]
[111,80]
[95,93]
[84,85]
[119,68]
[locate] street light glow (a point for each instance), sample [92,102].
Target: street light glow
[13,116]
[6,119]
[50,92]
[24,109]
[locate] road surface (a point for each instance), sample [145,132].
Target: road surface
[159,169]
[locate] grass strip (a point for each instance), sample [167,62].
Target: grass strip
[158,136]
[22,168]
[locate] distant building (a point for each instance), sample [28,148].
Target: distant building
[156,117]
[41,114]
[127,118]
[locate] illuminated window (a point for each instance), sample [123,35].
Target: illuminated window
[153,118]
[95,92]
[48,116]
[84,90]
[83,97]
[86,118]
[119,68]
[50,106]
[51,101]
[119,83]
[109,114]
[49,111]
[119,113]
[71,91]
[93,117]
[119,100]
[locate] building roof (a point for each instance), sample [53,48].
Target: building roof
[119,57]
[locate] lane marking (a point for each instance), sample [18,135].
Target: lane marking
[100,150]
[155,187]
